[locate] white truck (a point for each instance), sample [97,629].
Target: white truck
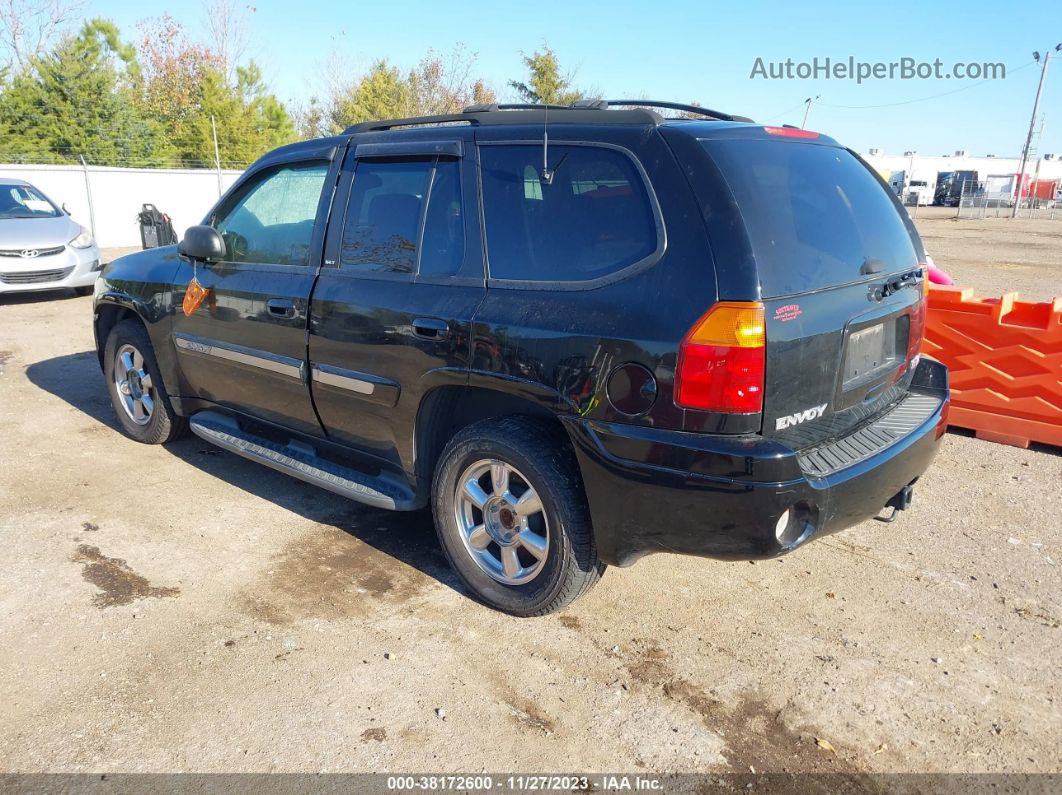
[911,192]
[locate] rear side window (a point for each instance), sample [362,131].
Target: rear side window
[383,215]
[593,219]
[443,247]
[815,215]
[391,200]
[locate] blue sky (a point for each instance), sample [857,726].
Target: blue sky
[697,51]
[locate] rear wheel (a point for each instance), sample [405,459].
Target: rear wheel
[512,517]
[135,386]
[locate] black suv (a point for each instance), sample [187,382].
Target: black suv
[582,334]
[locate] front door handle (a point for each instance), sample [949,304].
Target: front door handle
[431,328]
[281,307]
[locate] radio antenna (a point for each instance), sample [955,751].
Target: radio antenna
[547,175]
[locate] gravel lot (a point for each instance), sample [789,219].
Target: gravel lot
[996,255]
[180,608]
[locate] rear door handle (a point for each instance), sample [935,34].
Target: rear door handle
[431,328]
[281,307]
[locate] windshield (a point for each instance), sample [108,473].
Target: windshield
[816,217]
[25,201]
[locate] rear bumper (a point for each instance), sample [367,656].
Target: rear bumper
[714,496]
[72,267]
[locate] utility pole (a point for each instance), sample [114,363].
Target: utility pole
[807,109]
[910,175]
[217,154]
[1036,172]
[1032,125]
[88,195]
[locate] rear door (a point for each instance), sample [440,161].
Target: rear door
[838,269]
[402,278]
[244,347]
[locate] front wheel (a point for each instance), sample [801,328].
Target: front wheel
[135,386]
[512,517]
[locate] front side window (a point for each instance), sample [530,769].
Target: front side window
[593,219]
[272,219]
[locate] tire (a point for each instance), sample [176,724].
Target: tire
[541,472]
[83,291]
[154,422]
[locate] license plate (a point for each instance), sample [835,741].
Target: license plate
[869,350]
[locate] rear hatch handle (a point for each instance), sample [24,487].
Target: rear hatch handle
[897,284]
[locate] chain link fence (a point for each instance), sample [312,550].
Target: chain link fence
[979,200]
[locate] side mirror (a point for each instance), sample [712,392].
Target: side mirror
[202,243]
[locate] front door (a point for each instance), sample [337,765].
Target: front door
[244,348]
[403,275]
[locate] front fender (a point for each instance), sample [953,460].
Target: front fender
[141,285]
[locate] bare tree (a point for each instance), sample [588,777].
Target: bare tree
[443,83]
[29,27]
[227,25]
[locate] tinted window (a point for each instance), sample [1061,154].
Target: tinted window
[443,248]
[271,220]
[815,215]
[595,218]
[383,215]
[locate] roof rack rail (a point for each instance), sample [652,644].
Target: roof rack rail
[654,103]
[582,111]
[514,106]
[387,124]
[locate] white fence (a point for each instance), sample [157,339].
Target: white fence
[118,193]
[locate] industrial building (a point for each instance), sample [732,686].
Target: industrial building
[987,175]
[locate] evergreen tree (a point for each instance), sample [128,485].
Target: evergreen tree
[545,83]
[78,101]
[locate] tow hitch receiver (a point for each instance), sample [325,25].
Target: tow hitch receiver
[900,501]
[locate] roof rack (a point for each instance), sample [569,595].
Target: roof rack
[515,106]
[387,124]
[654,103]
[586,111]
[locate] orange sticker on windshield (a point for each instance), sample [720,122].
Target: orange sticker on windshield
[193,296]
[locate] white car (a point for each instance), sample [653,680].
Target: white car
[41,247]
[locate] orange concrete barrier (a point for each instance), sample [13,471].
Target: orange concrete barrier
[1005,358]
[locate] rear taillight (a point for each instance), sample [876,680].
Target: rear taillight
[916,331]
[721,360]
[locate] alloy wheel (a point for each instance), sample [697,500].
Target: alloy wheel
[502,522]
[136,392]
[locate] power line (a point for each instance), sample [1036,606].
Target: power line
[922,99]
[782,113]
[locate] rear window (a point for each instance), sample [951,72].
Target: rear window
[815,215]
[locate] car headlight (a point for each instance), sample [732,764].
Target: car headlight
[84,240]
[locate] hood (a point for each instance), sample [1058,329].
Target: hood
[20,233]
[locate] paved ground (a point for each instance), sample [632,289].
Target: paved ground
[182,609]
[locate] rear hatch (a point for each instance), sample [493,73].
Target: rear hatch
[837,267]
